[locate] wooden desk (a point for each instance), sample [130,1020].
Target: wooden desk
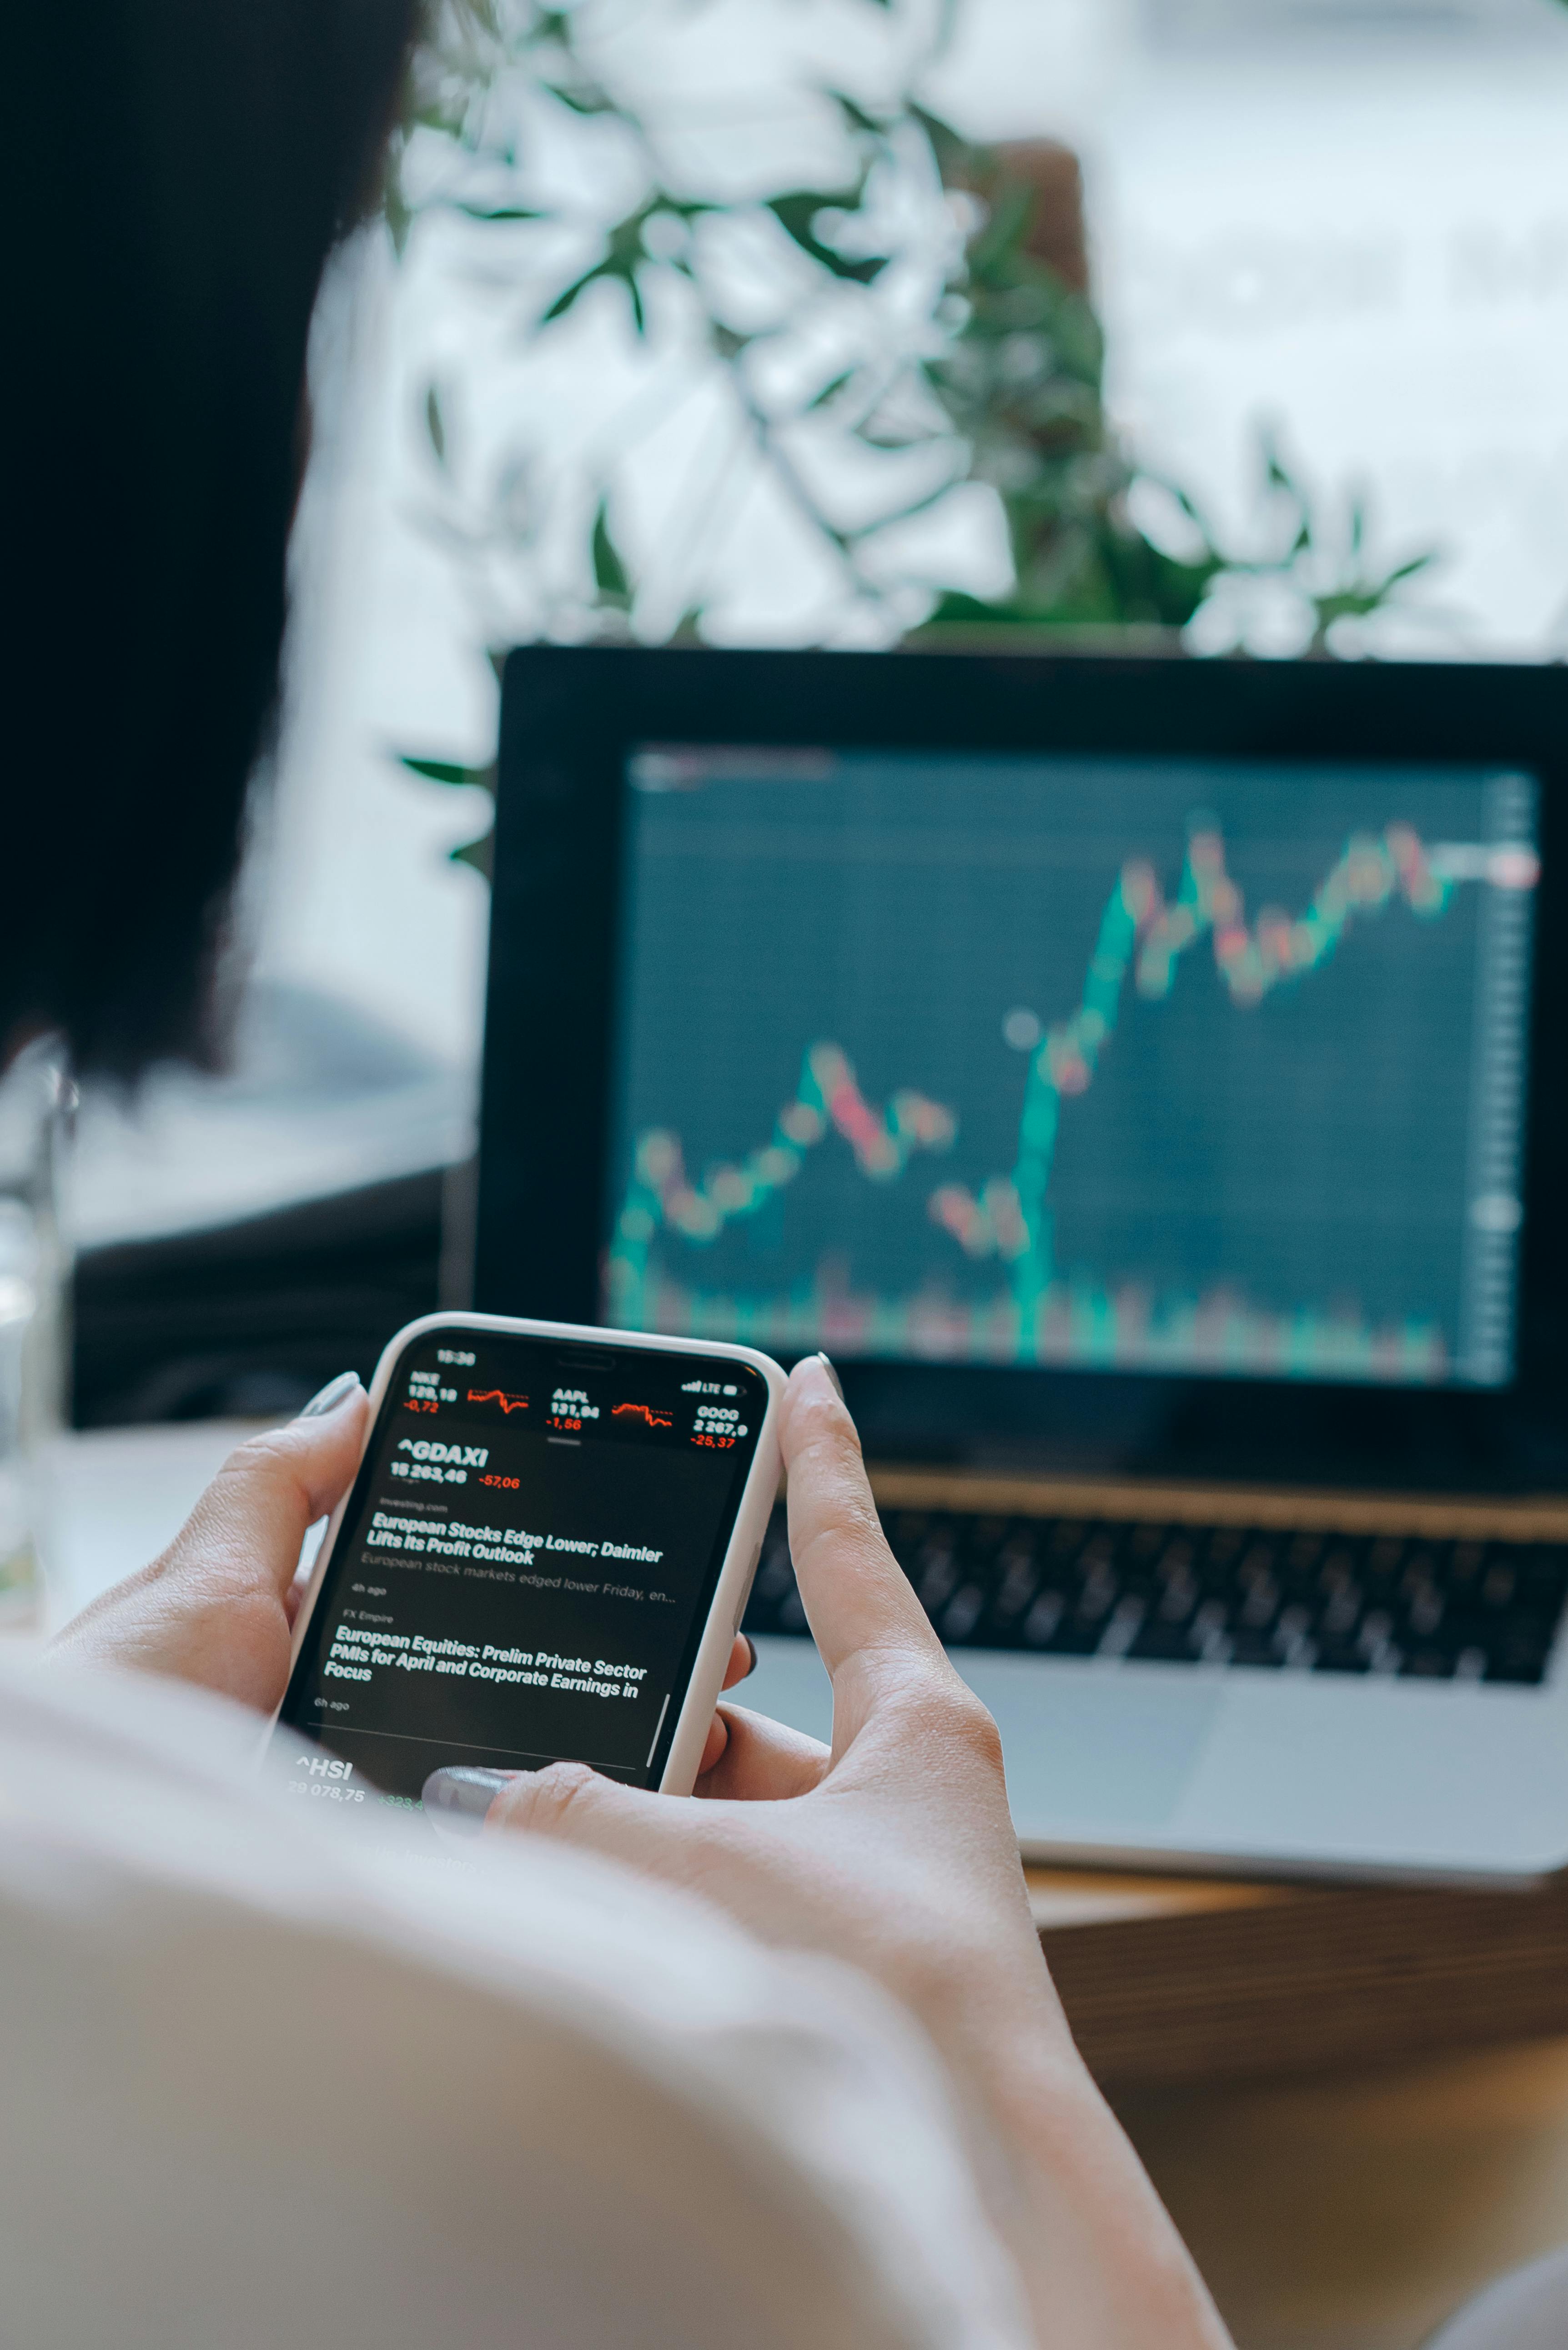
[1171,1980]
[1343,2096]
[1355,2210]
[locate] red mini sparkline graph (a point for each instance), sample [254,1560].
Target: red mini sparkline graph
[509,1403]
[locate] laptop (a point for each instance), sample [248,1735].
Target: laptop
[1146,1080]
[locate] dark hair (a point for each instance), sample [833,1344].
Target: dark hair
[184,170]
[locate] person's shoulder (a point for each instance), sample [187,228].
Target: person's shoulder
[619,2106]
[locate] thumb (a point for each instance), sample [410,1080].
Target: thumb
[248,1526]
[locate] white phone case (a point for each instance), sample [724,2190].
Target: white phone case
[734,1584]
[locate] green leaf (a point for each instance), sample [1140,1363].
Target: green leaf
[625,251]
[400,223]
[855,114]
[831,391]
[1407,570]
[800,208]
[879,434]
[957,157]
[479,855]
[688,629]
[443,771]
[612,266]
[581,102]
[1002,239]
[797,215]
[609,572]
[500,213]
[564,301]
[435,424]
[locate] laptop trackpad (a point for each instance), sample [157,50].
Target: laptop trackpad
[1093,1753]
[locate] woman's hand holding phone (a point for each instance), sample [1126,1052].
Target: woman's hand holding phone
[894,1851]
[217,1607]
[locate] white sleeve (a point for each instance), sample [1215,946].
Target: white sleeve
[259,2087]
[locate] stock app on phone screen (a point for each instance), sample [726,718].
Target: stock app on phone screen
[525,1567]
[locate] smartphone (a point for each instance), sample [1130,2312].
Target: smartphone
[544,1557]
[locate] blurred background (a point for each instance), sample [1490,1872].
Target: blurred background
[1216,326]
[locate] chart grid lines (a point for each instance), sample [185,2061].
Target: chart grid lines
[1374,1037]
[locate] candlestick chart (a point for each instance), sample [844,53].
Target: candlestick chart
[914,1246]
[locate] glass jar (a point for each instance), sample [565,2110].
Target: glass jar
[36,1104]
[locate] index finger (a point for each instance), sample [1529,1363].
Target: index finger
[857,1598]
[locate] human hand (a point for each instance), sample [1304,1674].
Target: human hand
[218,1608]
[894,1850]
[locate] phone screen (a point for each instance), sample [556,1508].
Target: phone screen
[526,1565]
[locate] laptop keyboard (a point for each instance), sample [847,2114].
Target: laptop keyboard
[1221,1595]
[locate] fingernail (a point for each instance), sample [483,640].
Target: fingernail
[834,1380]
[335,1392]
[459,1799]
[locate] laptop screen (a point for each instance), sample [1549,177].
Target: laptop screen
[1190,1067]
